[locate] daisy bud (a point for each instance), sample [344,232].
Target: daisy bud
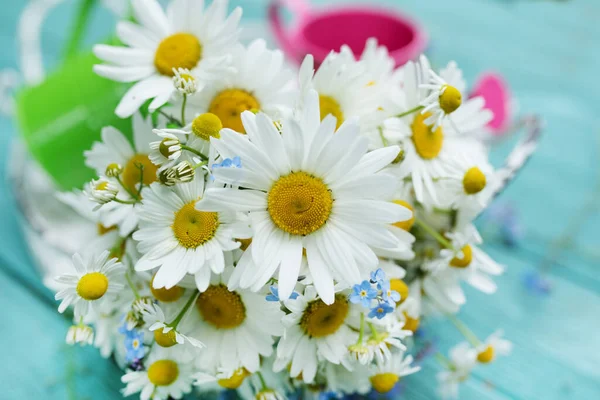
[400,157]
[269,394]
[450,99]
[181,173]
[113,170]
[101,191]
[82,334]
[206,126]
[184,81]
[141,304]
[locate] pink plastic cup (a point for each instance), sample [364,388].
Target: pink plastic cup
[320,32]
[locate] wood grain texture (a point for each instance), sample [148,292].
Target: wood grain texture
[550,53]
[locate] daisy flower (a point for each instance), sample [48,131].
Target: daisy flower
[115,152]
[166,334]
[259,82]
[462,360]
[238,327]
[342,85]
[186,36]
[82,334]
[428,150]
[470,264]
[101,191]
[95,280]
[469,182]
[180,239]
[493,346]
[310,188]
[342,379]
[385,375]
[443,100]
[167,151]
[167,375]
[315,331]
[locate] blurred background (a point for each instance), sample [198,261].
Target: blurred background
[544,227]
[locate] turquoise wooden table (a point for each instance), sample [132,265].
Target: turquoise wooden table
[550,54]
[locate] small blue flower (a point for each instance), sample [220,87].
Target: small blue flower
[124,328]
[363,294]
[235,162]
[378,276]
[391,296]
[380,310]
[134,345]
[536,283]
[274,295]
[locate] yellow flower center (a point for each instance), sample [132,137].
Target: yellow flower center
[486,356]
[229,106]
[166,295]
[428,143]
[163,372]
[384,382]
[465,260]
[320,319]
[92,286]
[102,186]
[206,126]
[165,339]
[181,50]
[474,181]
[299,203]
[401,287]
[221,308]
[450,99]
[193,228]
[408,224]
[132,173]
[410,323]
[236,380]
[330,106]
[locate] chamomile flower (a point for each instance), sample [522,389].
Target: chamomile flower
[310,187]
[493,346]
[180,239]
[428,150]
[462,360]
[342,85]
[167,375]
[315,331]
[238,327]
[386,374]
[470,264]
[259,82]
[167,151]
[95,280]
[442,101]
[81,334]
[101,191]
[184,81]
[186,36]
[166,334]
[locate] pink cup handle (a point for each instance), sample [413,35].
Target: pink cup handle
[300,8]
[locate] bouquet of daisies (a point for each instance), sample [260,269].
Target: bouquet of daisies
[276,233]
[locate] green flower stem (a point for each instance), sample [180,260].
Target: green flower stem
[412,110]
[196,152]
[125,201]
[444,360]
[183,104]
[465,331]
[184,310]
[134,195]
[362,328]
[132,286]
[262,380]
[435,234]
[141,168]
[383,139]
[171,118]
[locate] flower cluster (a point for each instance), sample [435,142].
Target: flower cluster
[272,232]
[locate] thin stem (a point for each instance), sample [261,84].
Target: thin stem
[171,118]
[183,109]
[185,308]
[412,110]
[132,286]
[373,330]
[125,201]
[435,234]
[196,152]
[134,195]
[464,330]
[202,164]
[383,139]
[362,328]
[81,21]
[444,360]
[262,380]
[141,168]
